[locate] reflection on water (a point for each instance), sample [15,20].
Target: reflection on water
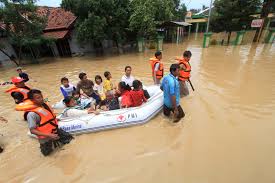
[226,136]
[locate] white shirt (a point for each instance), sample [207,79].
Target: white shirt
[75,113]
[99,88]
[128,80]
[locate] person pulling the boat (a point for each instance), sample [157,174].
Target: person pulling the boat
[19,91]
[157,67]
[185,70]
[22,74]
[74,110]
[43,123]
[171,93]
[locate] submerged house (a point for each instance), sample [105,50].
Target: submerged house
[60,27]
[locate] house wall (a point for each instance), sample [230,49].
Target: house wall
[76,47]
[7,48]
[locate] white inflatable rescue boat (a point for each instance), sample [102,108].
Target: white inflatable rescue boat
[117,118]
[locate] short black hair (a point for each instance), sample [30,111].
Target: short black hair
[64,79]
[187,54]
[136,84]
[81,75]
[17,96]
[75,93]
[158,53]
[123,85]
[174,67]
[106,74]
[128,67]
[32,92]
[67,100]
[98,77]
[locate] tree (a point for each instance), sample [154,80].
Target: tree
[267,5]
[232,15]
[180,12]
[100,19]
[23,26]
[146,14]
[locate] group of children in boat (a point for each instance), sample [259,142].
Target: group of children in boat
[90,97]
[105,95]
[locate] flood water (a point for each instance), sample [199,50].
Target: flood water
[227,135]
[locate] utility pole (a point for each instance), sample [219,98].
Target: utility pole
[209,16]
[264,15]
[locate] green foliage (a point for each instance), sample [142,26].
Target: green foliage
[180,13]
[146,14]
[233,15]
[100,19]
[24,27]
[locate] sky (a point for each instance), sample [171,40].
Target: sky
[196,4]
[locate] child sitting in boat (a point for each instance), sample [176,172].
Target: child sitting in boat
[137,94]
[123,92]
[73,110]
[107,84]
[98,87]
[83,102]
[66,88]
[111,101]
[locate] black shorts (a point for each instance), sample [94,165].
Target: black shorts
[167,111]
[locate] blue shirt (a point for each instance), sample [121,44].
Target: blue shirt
[171,87]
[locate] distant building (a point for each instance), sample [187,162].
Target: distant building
[60,26]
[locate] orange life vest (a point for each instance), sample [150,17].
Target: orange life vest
[184,74]
[48,122]
[160,71]
[23,91]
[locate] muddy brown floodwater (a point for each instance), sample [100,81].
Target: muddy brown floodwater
[227,135]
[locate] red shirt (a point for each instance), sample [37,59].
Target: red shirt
[137,97]
[125,99]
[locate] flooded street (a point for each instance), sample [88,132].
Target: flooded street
[227,134]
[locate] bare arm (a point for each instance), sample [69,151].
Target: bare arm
[50,135]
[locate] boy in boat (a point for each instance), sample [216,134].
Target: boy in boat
[66,88]
[73,110]
[107,84]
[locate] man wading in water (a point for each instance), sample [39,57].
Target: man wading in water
[171,93]
[43,123]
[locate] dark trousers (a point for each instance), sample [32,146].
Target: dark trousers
[96,97]
[167,111]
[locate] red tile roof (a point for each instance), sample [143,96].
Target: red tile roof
[59,21]
[58,18]
[56,34]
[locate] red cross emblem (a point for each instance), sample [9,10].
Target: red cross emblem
[121,118]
